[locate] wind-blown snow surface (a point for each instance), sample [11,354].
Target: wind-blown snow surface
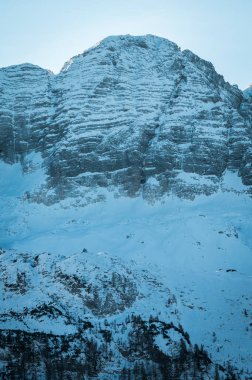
[199,250]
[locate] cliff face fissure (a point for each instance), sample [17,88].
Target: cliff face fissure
[126,111]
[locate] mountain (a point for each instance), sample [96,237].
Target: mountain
[126,217]
[127,113]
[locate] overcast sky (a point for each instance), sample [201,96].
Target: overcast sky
[49,32]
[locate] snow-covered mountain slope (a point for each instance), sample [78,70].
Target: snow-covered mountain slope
[71,264]
[248,92]
[125,217]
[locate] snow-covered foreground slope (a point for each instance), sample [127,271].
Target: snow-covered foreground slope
[187,262]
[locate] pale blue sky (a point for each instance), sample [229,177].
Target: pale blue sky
[49,32]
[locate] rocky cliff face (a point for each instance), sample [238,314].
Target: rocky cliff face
[131,114]
[246,110]
[25,108]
